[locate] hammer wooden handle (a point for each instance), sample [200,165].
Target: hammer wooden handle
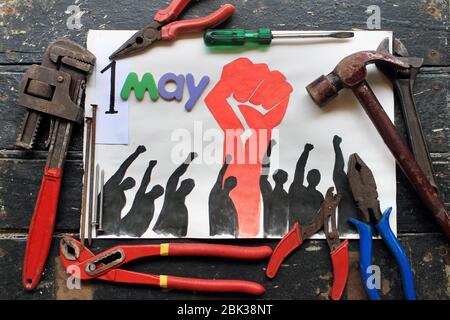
[403,155]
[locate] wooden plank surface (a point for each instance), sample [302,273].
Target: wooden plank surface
[307,274]
[30,25]
[26,29]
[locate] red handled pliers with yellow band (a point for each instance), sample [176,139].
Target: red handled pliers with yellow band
[165,28]
[326,220]
[81,263]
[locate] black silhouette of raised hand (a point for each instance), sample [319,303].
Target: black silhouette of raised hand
[308,147]
[138,219]
[347,206]
[276,200]
[222,212]
[266,187]
[114,198]
[304,201]
[277,222]
[173,218]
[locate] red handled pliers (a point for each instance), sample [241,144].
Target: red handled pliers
[81,263]
[326,220]
[165,28]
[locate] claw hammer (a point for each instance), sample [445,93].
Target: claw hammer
[351,73]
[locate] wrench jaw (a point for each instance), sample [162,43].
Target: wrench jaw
[30,125]
[71,54]
[36,93]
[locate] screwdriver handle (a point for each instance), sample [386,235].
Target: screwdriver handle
[237,37]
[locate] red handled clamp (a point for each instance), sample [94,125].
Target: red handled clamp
[326,220]
[83,264]
[165,28]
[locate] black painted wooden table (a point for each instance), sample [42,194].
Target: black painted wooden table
[28,26]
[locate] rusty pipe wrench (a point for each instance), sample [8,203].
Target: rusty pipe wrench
[54,88]
[403,82]
[351,73]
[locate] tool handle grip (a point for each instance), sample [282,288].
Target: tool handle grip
[365,257]
[339,259]
[219,250]
[41,228]
[133,252]
[292,240]
[205,285]
[181,283]
[395,247]
[171,31]
[236,37]
[171,12]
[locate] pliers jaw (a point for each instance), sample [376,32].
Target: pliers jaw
[326,220]
[72,252]
[328,213]
[338,248]
[141,40]
[364,189]
[164,27]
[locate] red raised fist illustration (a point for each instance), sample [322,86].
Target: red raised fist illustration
[248,102]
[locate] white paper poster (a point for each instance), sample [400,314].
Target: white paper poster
[182,109]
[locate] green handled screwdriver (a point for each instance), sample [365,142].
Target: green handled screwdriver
[239,37]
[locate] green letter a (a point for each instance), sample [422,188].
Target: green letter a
[132,83]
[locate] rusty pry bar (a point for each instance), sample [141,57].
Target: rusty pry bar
[351,73]
[403,83]
[54,88]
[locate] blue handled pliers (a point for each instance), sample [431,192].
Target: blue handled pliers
[364,189]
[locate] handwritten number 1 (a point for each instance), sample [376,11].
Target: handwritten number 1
[112,91]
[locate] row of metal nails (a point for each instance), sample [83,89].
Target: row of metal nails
[91,184]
